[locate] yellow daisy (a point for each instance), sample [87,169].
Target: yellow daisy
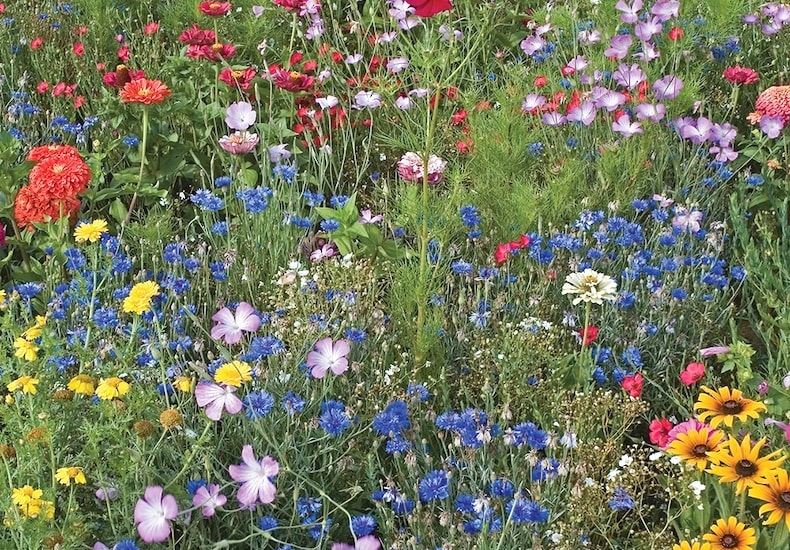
[776,495]
[66,475]
[234,373]
[139,299]
[25,350]
[741,463]
[82,384]
[111,388]
[25,384]
[724,405]
[730,535]
[90,232]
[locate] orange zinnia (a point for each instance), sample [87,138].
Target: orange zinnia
[41,152]
[33,205]
[62,175]
[144,91]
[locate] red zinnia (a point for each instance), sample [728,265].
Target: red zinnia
[60,176]
[241,78]
[197,36]
[214,8]
[290,5]
[293,81]
[35,205]
[41,152]
[740,75]
[144,91]
[775,101]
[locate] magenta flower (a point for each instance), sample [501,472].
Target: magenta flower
[645,30]
[629,77]
[648,111]
[240,115]
[216,398]
[625,127]
[584,113]
[618,47]
[328,355]
[629,13]
[255,477]
[230,327]
[667,87]
[153,514]
[209,498]
[368,542]
[664,10]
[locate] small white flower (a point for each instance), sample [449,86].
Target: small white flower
[625,461]
[591,287]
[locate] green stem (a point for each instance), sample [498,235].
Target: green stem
[195,448]
[142,166]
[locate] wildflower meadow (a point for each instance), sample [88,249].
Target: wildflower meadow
[395,274]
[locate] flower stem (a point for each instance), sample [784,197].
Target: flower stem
[142,167]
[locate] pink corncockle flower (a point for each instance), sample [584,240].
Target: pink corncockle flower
[664,10]
[279,152]
[723,154]
[610,100]
[209,498]
[543,29]
[629,13]
[404,103]
[663,201]
[687,220]
[651,112]
[578,63]
[629,77]
[553,119]
[153,514]
[368,542]
[648,53]
[230,327]
[625,127]
[239,143]
[254,475]
[327,102]
[619,46]
[532,103]
[714,350]
[771,126]
[408,23]
[397,64]
[723,134]
[693,373]
[667,87]
[400,9]
[319,254]
[353,59]
[697,133]
[257,11]
[584,113]
[645,30]
[387,37]
[215,398]
[532,44]
[328,355]
[588,38]
[366,100]
[240,115]
[366,216]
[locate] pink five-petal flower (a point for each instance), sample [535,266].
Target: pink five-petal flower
[215,398]
[254,476]
[693,373]
[153,513]
[209,498]
[368,542]
[230,327]
[328,355]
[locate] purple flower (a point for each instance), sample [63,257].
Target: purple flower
[368,542]
[397,64]
[153,513]
[630,13]
[216,398]
[230,327]
[629,77]
[625,127]
[771,125]
[578,63]
[209,498]
[584,113]
[255,477]
[687,220]
[723,154]
[618,47]
[723,134]
[366,216]
[553,119]
[645,30]
[240,115]
[648,111]
[667,87]
[664,10]
[648,53]
[326,356]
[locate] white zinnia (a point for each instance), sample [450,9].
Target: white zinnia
[590,286]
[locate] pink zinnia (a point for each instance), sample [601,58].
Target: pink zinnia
[153,514]
[328,355]
[410,168]
[239,143]
[216,398]
[254,476]
[230,327]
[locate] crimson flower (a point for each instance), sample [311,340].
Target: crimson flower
[429,8]
[588,335]
[214,9]
[633,384]
[659,432]
[241,78]
[740,75]
[693,373]
[293,81]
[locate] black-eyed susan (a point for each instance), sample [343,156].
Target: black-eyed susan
[693,446]
[233,374]
[730,535]
[741,463]
[725,405]
[691,546]
[111,388]
[776,495]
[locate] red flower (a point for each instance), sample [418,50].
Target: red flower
[120,76]
[142,90]
[633,384]
[241,78]
[41,152]
[80,31]
[79,101]
[540,81]
[36,43]
[214,9]
[567,71]
[197,37]
[78,49]
[151,28]
[427,8]
[465,145]
[693,373]
[123,53]
[675,33]
[214,52]
[42,87]
[525,241]
[295,58]
[502,253]
[35,205]
[60,175]
[458,117]
[740,75]
[293,81]
[588,335]
[659,432]
[290,5]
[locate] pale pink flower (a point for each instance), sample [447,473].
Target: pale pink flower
[368,542]
[367,217]
[216,398]
[687,220]
[410,168]
[328,355]
[254,476]
[153,514]
[209,498]
[230,327]
[240,115]
[239,143]
[714,350]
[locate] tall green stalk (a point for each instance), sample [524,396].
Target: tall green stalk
[143,147]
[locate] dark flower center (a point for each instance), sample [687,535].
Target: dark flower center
[729,541]
[745,468]
[700,450]
[784,500]
[731,407]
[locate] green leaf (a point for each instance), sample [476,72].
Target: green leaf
[118,210]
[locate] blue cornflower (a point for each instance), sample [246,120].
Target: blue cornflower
[521,510]
[465,503]
[469,215]
[589,218]
[191,264]
[268,523]
[255,200]
[625,299]
[679,294]
[220,228]
[194,484]
[660,215]
[75,260]
[548,468]
[486,273]
[621,500]
[419,391]
[338,201]
[640,205]
[61,363]
[535,149]
[330,225]
[393,419]
[222,181]
[218,271]
[321,530]
[284,171]
[308,506]
[434,486]
[632,357]
[312,198]
[257,404]
[333,419]
[105,317]
[738,273]
[263,346]
[599,376]
[363,525]
[502,488]
[356,335]
[127,544]
[207,200]
[303,223]
[527,433]
[462,267]
[397,445]
[173,253]
[28,291]
[755,180]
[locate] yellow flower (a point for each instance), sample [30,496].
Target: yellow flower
[741,463]
[183,383]
[688,546]
[776,495]
[139,299]
[2,297]
[25,350]
[91,232]
[112,387]
[35,331]
[67,475]
[25,494]
[724,405]
[25,384]
[730,535]
[234,373]
[83,384]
